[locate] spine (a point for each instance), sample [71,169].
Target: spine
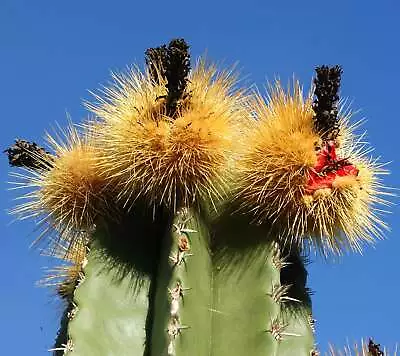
[182,309]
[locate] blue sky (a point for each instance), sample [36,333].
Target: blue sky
[51,53]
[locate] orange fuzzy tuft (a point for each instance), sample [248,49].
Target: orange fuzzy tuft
[70,194]
[283,182]
[170,161]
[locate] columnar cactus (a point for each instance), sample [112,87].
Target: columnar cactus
[187,206]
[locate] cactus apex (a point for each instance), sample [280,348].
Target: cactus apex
[311,190]
[70,194]
[169,160]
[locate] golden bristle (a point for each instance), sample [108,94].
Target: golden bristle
[275,169]
[64,278]
[70,194]
[168,160]
[365,348]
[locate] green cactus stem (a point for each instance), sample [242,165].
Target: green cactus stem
[113,301]
[296,307]
[62,338]
[252,292]
[111,310]
[246,282]
[298,332]
[182,309]
[179,294]
[225,296]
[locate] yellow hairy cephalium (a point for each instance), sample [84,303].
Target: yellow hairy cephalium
[69,194]
[285,180]
[169,161]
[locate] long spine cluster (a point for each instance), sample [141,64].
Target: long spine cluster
[179,259]
[279,294]
[293,326]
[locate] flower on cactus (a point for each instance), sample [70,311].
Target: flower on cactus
[310,176]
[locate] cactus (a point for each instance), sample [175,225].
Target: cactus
[193,204]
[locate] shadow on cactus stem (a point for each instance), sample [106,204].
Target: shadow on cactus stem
[234,238]
[295,275]
[62,334]
[131,246]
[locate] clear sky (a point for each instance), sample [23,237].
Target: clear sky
[52,52]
